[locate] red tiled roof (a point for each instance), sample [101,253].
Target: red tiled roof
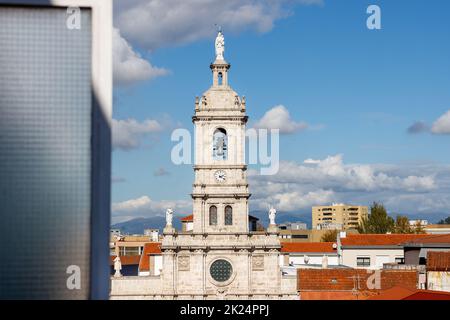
[394,293]
[126,260]
[429,295]
[188,218]
[344,279]
[149,248]
[402,293]
[379,239]
[438,261]
[326,247]
[432,239]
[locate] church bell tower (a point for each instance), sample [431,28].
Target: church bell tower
[220,191]
[221,258]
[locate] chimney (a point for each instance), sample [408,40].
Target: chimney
[325,262]
[155,235]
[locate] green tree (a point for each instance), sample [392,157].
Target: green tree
[418,228]
[378,220]
[329,236]
[402,225]
[445,221]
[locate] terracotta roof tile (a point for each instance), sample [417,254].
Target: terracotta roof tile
[188,218]
[402,293]
[429,295]
[438,261]
[326,247]
[432,239]
[379,239]
[394,293]
[149,248]
[344,279]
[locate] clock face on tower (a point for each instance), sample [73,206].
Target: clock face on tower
[220,175]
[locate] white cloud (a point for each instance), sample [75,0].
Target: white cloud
[127,134]
[279,118]
[442,125]
[298,186]
[331,172]
[144,207]
[133,204]
[156,23]
[128,66]
[292,201]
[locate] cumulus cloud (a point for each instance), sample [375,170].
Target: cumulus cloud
[442,125]
[127,134]
[298,186]
[128,66]
[418,127]
[144,207]
[157,23]
[291,201]
[279,118]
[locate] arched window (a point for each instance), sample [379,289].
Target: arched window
[220,144]
[228,216]
[213,216]
[220,78]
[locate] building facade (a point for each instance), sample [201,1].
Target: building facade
[338,216]
[372,251]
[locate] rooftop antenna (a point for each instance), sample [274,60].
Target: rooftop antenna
[218,27]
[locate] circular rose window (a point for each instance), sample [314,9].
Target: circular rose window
[221,270]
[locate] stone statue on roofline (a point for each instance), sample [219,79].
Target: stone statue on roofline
[220,45]
[169,217]
[117,267]
[272,228]
[272,215]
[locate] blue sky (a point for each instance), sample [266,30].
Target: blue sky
[358,90]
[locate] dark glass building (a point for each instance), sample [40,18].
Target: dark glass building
[55,148]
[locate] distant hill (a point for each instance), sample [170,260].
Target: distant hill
[137,226]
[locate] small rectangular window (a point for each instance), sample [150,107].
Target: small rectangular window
[363,261]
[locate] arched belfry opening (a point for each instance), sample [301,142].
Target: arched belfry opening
[220,144]
[220,73]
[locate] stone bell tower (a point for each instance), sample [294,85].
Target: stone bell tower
[221,258]
[220,191]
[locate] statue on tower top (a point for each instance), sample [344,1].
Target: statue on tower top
[220,45]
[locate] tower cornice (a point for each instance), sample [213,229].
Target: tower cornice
[220,166]
[197,118]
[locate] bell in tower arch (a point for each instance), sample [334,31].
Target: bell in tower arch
[220,146]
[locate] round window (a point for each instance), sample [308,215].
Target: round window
[221,270]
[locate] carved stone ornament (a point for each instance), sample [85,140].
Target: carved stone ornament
[184,263]
[258,263]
